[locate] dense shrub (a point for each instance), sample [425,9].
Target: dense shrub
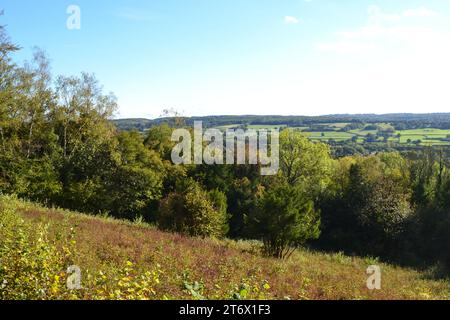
[193,211]
[31,265]
[34,263]
[284,219]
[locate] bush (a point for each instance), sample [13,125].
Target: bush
[32,267]
[285,219]
[193,211]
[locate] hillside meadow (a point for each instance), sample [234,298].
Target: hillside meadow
[133,260]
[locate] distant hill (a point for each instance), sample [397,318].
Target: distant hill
[135,123]
[439,120]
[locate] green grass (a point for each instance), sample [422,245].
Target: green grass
[300,128]
[336,125]
[126,260]
[363,133]
[325,136]
[428,136]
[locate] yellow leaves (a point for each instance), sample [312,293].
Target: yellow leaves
[116,293]
[32,265]
[126,283]
[250,288]
[425,295]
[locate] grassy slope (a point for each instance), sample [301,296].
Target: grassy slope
[104,244]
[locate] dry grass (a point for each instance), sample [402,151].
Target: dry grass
[222,266]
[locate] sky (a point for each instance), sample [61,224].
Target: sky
[234,57]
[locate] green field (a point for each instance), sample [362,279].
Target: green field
[325,136]
[427,136]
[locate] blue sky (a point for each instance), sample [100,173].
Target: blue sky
[290,57]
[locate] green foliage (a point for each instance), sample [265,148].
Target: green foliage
[304,162]
[242,199]
[250,288]
[193,211]
[284,216]
[194,289]
[369,210]
[381,210]
[126,283]
[285,219]
[58,146]
[219,202]
[159,140]
[31,265]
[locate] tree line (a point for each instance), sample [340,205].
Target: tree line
[58,146]
[315,123]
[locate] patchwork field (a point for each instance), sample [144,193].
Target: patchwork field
[426,136]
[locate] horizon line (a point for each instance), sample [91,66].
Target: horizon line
[287,116]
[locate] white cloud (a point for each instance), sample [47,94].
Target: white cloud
[387,30]
[396,64]
[291,20]
[420,12]
[345,47]
[377,16]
